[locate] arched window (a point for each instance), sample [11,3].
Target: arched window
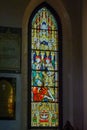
[44,68]
[7,98]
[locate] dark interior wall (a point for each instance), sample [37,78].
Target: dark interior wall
[74,9]
[85,62]
[11,14]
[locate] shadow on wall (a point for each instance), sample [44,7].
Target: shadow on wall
[68,126]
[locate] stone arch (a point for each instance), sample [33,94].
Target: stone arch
[67,59]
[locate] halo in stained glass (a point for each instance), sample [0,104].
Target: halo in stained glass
[44,60]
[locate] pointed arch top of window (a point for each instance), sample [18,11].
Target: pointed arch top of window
[45,53]
[44,20]
[49,14]
[44,17]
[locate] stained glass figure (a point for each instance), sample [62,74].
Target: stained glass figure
[44,65]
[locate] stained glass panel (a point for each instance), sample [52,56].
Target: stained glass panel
[44,94]
[43,40]
[45,68]
[44,78]
[44,114]
[44,31]
[44,60]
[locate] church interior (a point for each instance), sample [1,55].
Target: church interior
[15,63]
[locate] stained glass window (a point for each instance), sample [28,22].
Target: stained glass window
[44,69]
